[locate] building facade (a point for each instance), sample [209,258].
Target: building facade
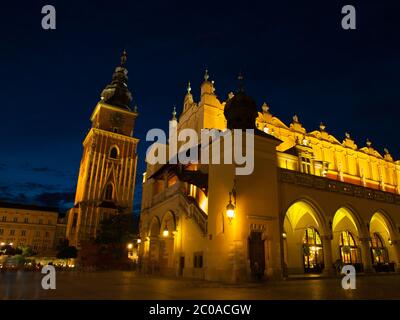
[108,167]
[28,226]
[311,204]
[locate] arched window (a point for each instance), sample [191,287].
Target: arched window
[109,192]
[379,251]
[348,248]
[312,251]
[114,153]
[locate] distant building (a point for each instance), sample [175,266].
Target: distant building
[61,231]
[28,225]
[312,202]
[107,170]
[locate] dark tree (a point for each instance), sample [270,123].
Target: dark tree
[65,251]
[117,230]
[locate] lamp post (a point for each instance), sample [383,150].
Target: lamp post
[165,232]
[230,208]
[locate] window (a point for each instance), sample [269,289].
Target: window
[379,251]
[4,219]
[348,248]
[306,165]
[23,233]
[1,231]
[109,192]
[37,234]
[12,232]
[49,222]
[114,153]
[26,220]
[47,234]
[40,221]
[198,260]
[15,219]
[312,251]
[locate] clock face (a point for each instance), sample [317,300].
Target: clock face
[116,119]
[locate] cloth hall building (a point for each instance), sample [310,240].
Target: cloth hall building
[312,202]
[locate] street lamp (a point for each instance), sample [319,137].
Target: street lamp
[230,208]
[165,232]
[139,241]
[130,246]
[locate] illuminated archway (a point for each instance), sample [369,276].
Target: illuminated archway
[302,226]
[168,230]
[383,254]
[153,247]
[346,230]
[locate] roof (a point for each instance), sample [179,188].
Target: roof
[9,205]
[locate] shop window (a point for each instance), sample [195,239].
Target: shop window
[379,251]
[348,248]
[312,251]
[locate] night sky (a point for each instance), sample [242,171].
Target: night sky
[294,55]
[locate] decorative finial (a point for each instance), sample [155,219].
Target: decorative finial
[174,113]
[295,118]
[123,58]
[369,143]
[265,107]
[241,82]
[189,88]
[206,76]
[347,135]
[386,150]
[230,95]
[322,126]
[135,108]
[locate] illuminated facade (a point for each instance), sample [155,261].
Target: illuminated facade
[108,167]
[312,202]
[28,226]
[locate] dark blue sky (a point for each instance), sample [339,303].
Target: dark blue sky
[294,54]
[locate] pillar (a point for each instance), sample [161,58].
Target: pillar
[366,255]
[329,269]
[396,245]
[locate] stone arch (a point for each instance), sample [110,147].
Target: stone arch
[302,218]
[168,220]
[167,241]
[347,232]
[155,227]
[311,206]
[381,227]
[387,220]
[347,212]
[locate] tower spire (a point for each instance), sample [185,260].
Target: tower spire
[124,57]
[206,76]
[240,82]
[174,113]
[117,92]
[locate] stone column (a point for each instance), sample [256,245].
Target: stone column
[329,270]
[366,255]
[396,245]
